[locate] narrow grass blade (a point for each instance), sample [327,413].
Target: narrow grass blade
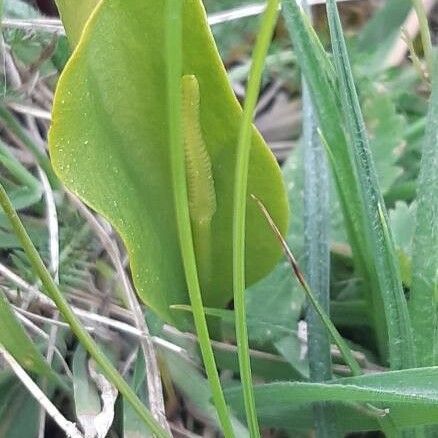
[86,340]
[424,290]
[11,123]
[317,257]
[320,78]
[174,76]
[239,216]
[16,341]
[375,222]
[329,326]
[317,252]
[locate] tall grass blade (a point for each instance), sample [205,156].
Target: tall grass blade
[174,94]
[239,214]
[320,78]
[424,289]
[360,197]
[379,241]
[317,257]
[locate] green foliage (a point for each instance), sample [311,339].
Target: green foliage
[74,16]
[119,162]
[424,289]
[16,340]
[117,103]
[408,395]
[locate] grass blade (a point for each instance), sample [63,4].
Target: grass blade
[317,259]
[174,76]
[320,78]
[16,341]
[239,217]
[61,303]
[424,288]
[329,326]
[375,223]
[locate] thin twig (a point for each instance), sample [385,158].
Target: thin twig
[68,427]
[153,378]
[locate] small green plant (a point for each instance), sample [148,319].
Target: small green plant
[146,130]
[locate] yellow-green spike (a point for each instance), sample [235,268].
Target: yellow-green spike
[200,182]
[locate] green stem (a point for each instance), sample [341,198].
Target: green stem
[425,33]
[240,195]
[84,338]
[174,75]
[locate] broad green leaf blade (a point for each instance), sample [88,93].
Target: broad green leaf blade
[424,290]
[18,343]
[109,144]
[410,396]
[374,218]
[74,15]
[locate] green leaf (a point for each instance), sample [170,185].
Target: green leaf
[18,343]
[356,183]
[109,145]
[402,219]
[320,77]
[133,427]
[195,388]
[74,15]
[86,395]
[409,395]
[424,290]
[19,411]
[25,189]
[386,131]
[378,37]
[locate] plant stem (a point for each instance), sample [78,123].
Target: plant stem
[61,303]
[174,78]
[239,216]
[426,39]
